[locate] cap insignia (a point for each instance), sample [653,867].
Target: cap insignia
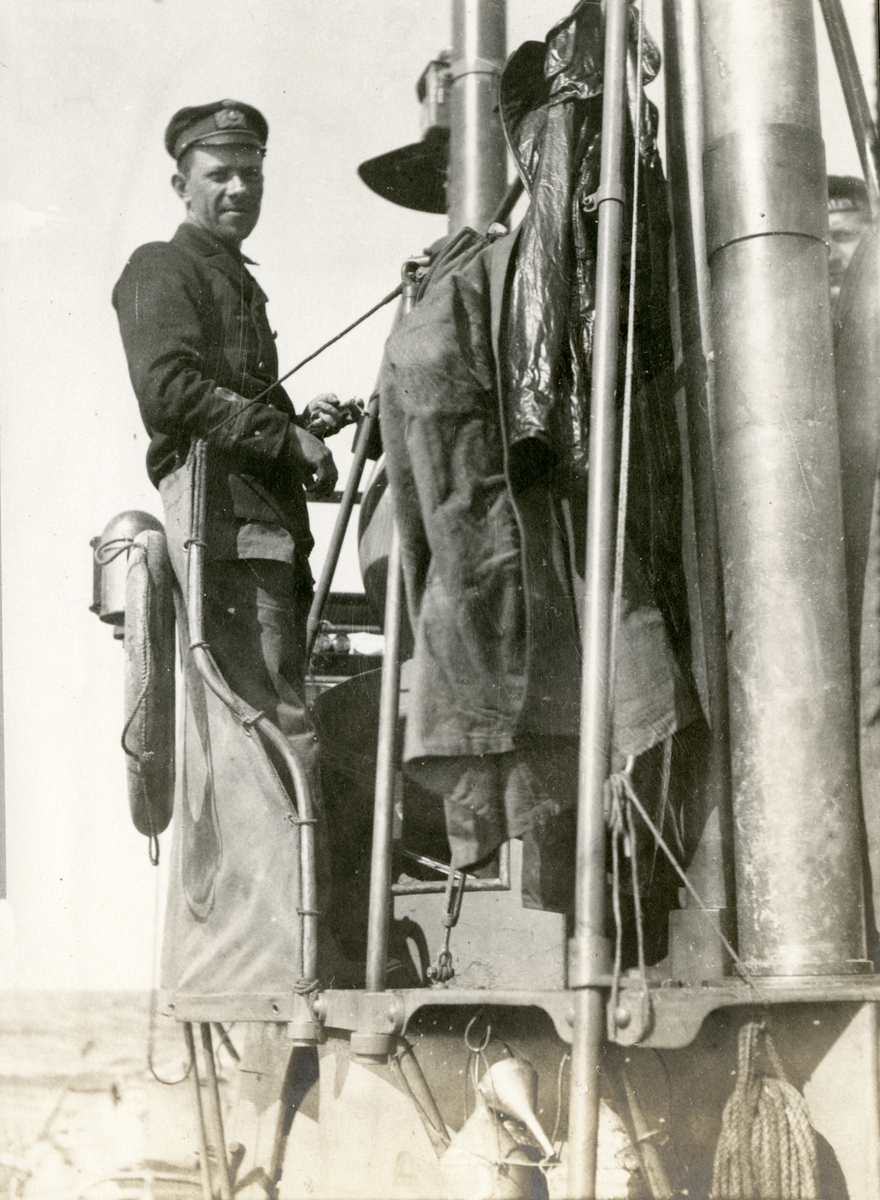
[230,118]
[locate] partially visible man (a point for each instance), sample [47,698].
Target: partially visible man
[849,218]
[203,364]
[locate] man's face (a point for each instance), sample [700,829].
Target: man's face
[222,188]
[846,229]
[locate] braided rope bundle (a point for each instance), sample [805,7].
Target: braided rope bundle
[767,1146]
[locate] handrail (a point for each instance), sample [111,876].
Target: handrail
[251,718]
[389,701]
[590,952]
[346,505]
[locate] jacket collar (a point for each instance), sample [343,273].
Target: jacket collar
[225,258]
[199,241]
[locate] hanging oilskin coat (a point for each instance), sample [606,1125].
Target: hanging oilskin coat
[485,400]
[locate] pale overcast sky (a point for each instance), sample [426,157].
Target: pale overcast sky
[87,88]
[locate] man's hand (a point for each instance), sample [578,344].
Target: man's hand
[312,459]
[324,415]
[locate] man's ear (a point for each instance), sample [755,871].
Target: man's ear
[179,183]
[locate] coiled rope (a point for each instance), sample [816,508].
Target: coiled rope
[767,1146]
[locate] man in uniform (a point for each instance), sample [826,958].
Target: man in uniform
[203,364]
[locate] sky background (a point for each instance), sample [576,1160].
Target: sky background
[87,89]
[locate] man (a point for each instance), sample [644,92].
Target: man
[849,218]
[203,364]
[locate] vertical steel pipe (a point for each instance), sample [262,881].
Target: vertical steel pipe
[215,1114]
[477,150]
[590,956]
[346,506]
[386,767]
[710,865]
[799,892]
[204,1165]
[379,913]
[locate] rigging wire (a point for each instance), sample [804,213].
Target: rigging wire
[257,399]
[560,1074]
[621,820]
[625,778]
[637,896]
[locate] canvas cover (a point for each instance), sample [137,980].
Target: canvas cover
[231,924]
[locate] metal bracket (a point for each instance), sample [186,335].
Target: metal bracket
[380,1019]
[374,1018]
[473,66]
[590,204]
[632,1018]
[677,1012]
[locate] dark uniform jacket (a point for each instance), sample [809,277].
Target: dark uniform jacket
[199,346]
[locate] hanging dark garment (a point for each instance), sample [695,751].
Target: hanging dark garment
[485,421]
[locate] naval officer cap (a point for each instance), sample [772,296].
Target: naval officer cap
[225,122]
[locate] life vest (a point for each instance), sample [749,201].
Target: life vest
[149,730]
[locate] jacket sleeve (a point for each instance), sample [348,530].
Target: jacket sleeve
[161,302]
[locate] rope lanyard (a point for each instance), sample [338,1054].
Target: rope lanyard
[624,778]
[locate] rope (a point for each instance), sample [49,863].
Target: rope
[238,411]
[615,821]
[622,828]
[146,677]
[637,898]
[107,551]
[625,778]
[305,987]
[666,809]
[767,1147]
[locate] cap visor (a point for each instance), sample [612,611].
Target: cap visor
[227,137]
